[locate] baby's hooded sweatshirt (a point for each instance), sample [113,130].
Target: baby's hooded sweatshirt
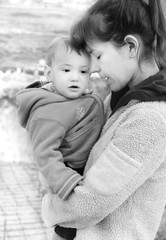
[62,133]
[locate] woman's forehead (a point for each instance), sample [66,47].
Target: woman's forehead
[91,46]
[96,45]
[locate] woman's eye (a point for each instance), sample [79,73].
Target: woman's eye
[66,70]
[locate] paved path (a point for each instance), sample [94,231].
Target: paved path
[20,201]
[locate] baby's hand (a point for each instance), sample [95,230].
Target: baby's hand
[44,190]
[81,183]
[47,210]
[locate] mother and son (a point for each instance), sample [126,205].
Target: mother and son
[103,164]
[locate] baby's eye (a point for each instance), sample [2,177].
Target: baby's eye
[66,70]
[98,57]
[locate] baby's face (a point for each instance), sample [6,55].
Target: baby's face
[70,73]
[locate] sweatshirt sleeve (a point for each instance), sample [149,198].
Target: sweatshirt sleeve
[107,106]
[130,158]
[46,137]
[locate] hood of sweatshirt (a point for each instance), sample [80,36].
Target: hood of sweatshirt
[30,99]
[151,89]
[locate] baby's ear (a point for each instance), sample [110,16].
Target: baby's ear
[47,72]
[133,45]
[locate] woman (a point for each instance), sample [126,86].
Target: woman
[124,190]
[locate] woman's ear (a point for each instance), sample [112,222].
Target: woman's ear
[133,45]
[47,72]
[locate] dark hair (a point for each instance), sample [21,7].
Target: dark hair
[59,43]
[112,20]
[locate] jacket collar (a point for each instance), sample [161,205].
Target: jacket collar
[151,89]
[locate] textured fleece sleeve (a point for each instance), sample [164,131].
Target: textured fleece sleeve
[46,136]
[130,158]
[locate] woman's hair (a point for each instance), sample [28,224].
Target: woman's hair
[59,43]
[112,20]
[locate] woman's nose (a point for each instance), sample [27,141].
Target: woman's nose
[94,67]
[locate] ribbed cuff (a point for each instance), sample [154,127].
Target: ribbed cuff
[65,189]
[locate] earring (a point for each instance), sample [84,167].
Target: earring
[131,55]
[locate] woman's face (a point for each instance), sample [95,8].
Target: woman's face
[113,64]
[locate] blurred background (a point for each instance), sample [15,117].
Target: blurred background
[26,27]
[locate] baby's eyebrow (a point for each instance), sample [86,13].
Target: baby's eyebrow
[65,65]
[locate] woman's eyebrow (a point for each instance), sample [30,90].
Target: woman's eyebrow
[89,50]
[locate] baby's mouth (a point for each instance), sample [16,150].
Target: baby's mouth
[74,86]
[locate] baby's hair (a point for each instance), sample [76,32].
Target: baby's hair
[62,42]
[112,20]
